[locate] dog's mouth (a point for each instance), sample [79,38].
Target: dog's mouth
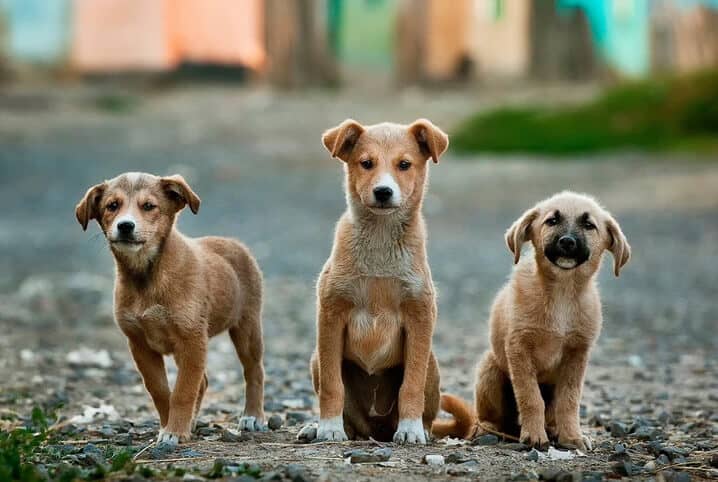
[566,262]
[127,242]
[383,209]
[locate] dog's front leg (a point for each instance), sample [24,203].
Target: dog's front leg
[151,366]
[418,328]
[330,351]
[191,363]
[528,395]
[567,398]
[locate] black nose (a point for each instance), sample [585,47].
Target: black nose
[383,193]
[126,227]
[567,244]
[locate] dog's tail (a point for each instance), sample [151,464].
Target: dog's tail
[463,423]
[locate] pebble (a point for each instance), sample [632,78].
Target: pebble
[626,468]
[294,418]
[487,439]
[650,466]
[230,436]
[457,458]
[358,456]
[433,459]
[275,422]
[307,434]
[517,446]
[647,433]
[161,451]
[533,455]
[618,429]
[297,473]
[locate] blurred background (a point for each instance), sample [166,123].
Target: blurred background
[618,98]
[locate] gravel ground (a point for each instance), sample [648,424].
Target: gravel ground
[651,397]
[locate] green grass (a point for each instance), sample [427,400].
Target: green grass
[656,115]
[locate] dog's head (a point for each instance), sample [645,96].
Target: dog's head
[569,232]
[136,211]
[386,163]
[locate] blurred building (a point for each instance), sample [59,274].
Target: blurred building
[295,43]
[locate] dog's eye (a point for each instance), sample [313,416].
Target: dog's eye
[553,221]
[148,206]
[112,207]
[367,164]
[589,226]
[404,165]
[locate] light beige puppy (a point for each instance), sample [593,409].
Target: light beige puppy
[374,370]
[172,293]
[543,323]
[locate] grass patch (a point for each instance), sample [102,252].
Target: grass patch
[656,115]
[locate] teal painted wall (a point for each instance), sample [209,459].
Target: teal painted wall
[621,32]
[38,30]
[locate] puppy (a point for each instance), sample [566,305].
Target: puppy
[373,369]
[543,324]
[172,293]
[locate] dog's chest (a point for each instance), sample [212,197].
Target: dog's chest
[374,337]
[153,324]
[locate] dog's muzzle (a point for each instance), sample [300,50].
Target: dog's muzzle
[567,251]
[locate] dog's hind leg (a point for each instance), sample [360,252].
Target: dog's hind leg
[247,339]
[200,397]
[492,405]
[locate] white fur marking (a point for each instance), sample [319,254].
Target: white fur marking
[387,180]
[331,429]
[410,430]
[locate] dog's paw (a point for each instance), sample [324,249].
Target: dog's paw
[580,442]
[410,431]
[172,439]
[331,430]
[248,423]
[534,438]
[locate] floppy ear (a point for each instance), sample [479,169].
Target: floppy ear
[89,206]
[179,191]
[618,245]
[432,140]
[519,232]
[340,140]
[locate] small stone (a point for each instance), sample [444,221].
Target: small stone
[516,446]
[647,433]
[533,455]
[618,429]
[456,458]
[650,466]
[297,473]
[308,433]
[550,473]
[230,436]
[682,477]
[663,459]
[275,422]
[161,451]
[294,418]
[625,468]
[433,459]
[487,439]
[360,456]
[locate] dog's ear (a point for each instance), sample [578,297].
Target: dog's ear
[618,245]
[89,206]
[340,140]
[179,192]
[432,140]
[520,232]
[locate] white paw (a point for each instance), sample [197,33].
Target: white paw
[250,424]
[167,438]
[410,431]
[331,429]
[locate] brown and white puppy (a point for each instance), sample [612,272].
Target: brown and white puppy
[373,369]
[172,293]
[543,324]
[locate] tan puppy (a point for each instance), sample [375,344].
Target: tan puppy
[173,293]
[374,370]
[543,323]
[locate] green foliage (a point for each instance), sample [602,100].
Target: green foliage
[19,446]
[658,114]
